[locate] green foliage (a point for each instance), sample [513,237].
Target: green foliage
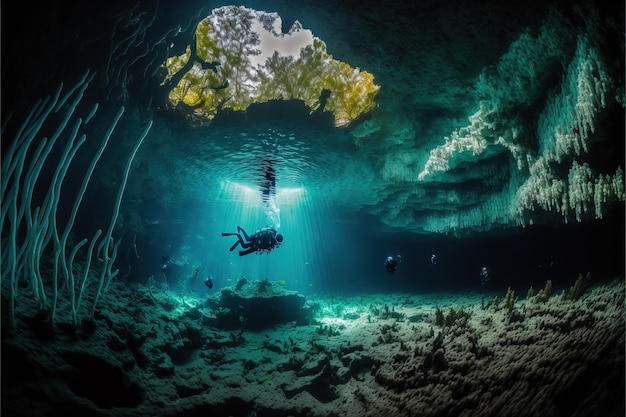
[353,92]
[577,290]
[227,37]
[530,293]
[176,63]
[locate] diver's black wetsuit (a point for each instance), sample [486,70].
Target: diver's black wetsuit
[391,264]
[263,240]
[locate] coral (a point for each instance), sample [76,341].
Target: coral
[242,281]
[547,291]
[439,318]
[455,316]
[439,361]
[263,285]
[328,330]
[577,290]
[495,302]
[388,313]
[509,300]
[544,294]
[388,334]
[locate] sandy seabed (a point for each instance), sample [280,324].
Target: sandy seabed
[373,355]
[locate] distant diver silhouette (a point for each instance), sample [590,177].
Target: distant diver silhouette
[484,276]
[391,263]
[263,240]
[209,282]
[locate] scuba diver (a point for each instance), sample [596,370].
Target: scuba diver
[484,276]
[165,261]
[391,263]
[209,282]
[263,240]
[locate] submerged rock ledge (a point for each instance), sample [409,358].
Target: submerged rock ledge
[371,355]
[256,305]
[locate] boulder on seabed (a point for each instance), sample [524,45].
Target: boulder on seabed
[256,305]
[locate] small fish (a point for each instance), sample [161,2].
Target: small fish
[282,282]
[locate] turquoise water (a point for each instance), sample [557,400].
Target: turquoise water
[490,167]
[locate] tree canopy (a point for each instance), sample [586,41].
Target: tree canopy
[223,73]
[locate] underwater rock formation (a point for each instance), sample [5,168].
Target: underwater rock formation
[494,116]
[256,305]
[562,357]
